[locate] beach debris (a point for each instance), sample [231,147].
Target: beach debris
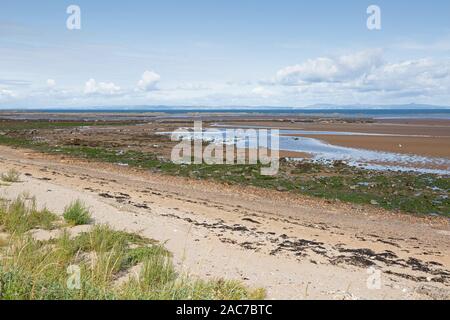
[122,164]
[251,220]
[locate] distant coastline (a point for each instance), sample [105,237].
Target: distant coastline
[441,113]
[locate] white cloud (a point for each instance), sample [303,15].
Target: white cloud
[51,83]
[326,69]
[367,73]
[263,92]
[6,94]
[363,77]
[423,76]
[102,88]
[149,81]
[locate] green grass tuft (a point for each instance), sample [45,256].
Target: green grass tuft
[22,215]
[77,213]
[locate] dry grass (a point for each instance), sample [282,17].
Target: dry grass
[10,176]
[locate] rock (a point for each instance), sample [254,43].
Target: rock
[374,202]
[281,189]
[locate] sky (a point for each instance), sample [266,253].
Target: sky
[223,53]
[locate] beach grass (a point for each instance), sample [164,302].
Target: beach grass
[21,215]
[77,213]
[95,265]
[10,176]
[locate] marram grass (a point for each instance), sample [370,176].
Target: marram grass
[38,270]
[10,176]
[77,213]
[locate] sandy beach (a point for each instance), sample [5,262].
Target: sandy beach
[295,247]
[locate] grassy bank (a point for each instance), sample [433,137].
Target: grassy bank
[102,257]
[407,192]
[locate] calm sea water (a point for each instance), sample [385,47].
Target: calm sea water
[357,113]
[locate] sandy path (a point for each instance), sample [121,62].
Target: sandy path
[294,246]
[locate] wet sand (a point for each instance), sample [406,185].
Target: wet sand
[433,128]
[424,146]
[419,137]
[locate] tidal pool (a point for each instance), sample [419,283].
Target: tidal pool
[322,151]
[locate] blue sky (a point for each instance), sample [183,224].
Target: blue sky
[224,52]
